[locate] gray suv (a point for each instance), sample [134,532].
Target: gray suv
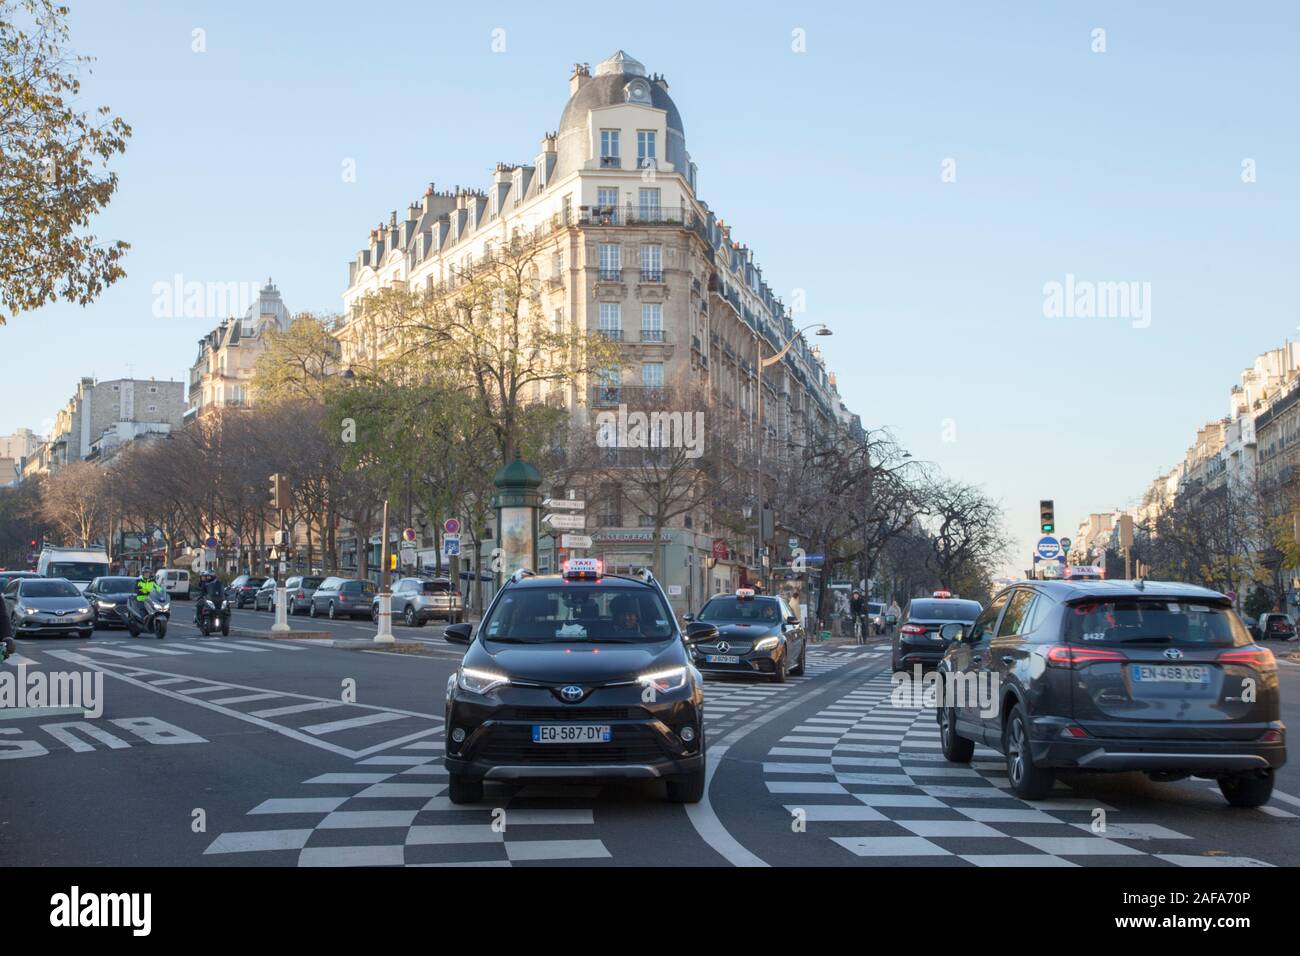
[1113,676]
[418,600]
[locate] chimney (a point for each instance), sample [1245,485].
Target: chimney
[581,74]
[661,82]
[428,197]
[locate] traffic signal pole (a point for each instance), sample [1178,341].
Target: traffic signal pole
[280,502]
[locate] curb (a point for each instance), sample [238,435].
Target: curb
[280,635]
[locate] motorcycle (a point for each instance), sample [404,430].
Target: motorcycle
[212,617]
[157,613]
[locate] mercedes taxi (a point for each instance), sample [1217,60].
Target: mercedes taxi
[576,676]
[758,636]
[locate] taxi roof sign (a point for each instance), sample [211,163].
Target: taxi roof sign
[583,568]
[744,593]
[942,595]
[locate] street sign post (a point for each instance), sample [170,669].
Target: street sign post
[451,545]
[565,522]
[451,526]
[564,504]
[1048,549]
[575,541]
[1065,545]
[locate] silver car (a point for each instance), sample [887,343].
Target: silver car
[48,606]
[418,600]
[298,592]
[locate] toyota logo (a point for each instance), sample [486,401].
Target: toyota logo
[1173,654]
[572,692]
[723,646]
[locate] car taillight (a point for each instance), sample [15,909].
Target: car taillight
[1260,658]
[342,598]
[1067,655]
[911,629]
[1270,737]
[302,595]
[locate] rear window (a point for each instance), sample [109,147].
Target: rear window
[310,582]
[254,582]
[1279,625]
[358,587]
[77,570]
[1154,621]
[434,587]
[943,611]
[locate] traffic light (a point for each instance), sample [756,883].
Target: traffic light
[1046,517]
[279,492]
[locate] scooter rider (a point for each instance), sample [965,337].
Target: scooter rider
[210,589]
[144,586]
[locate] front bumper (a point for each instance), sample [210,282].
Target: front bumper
[1176,755]
[752,664]
[644,738]
[28,627]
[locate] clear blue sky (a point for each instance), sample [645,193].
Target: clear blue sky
[1123,165]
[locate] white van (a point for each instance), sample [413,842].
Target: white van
[174,581]
[78,565]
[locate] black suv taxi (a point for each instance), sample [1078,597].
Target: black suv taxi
[1111,676]
[579,675]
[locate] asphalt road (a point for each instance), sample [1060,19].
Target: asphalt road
[235,751]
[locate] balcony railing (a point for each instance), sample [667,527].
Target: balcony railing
[610,275]
[652,335]
[634,214]
[652,275]
[614,335]
[637,396]
[611,162]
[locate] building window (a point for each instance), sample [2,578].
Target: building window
[652,374]
[607,203]
[645,149]
[567,209]
[609,385]
[652,322]
[652,265]
[648,203]
[153,408]
[611,320]
[611,262]
[609,148]
[559,321]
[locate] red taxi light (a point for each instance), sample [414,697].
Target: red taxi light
[582,569]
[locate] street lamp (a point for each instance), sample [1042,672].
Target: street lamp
[762,364]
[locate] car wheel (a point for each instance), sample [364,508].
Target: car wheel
[803,662]
[779,676]
[1247,789]
[956,749]
[461,789]
[332,615]
[1029,782]
[688,788]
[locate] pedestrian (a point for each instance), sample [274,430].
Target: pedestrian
[7,646]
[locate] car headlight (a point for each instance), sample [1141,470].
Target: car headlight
[767,643]
[481,682]
[664,681]
[24,611]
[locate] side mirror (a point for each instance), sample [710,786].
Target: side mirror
[953,632]
[688,617]
[792,620]
[699,632]
[458,633]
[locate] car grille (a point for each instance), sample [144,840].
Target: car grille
[571,713]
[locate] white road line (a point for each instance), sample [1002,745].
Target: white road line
[300,805]
[296,708]
[259,840]
[352,856]
[244,698]
[365,720]
[1286,798]
[521,850]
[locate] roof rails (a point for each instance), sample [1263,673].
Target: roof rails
[520,574]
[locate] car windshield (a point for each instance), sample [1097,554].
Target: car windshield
[358,587]
[875,608]
[733,610]
[77,570]
[116,585]
[48,589]
[563,613]
[1154,621]
[943,611]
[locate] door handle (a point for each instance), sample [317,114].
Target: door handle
[1007,659]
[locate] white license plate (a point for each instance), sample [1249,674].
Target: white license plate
[721,659]
[571,733]
[1170,673]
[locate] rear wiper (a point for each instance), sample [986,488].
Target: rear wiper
[1150,639]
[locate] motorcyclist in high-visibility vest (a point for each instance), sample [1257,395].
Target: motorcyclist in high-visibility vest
[144,586]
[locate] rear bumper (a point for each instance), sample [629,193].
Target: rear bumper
[1155,754]
[928,653]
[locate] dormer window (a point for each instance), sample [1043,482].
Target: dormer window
[637,91]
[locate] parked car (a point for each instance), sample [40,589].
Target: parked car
[244,589]
[342,597]
[416,601]
[919,640]
[1115,676]
[1277,627]
[106,595]
[265,596]
[48,606]
[298,592]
